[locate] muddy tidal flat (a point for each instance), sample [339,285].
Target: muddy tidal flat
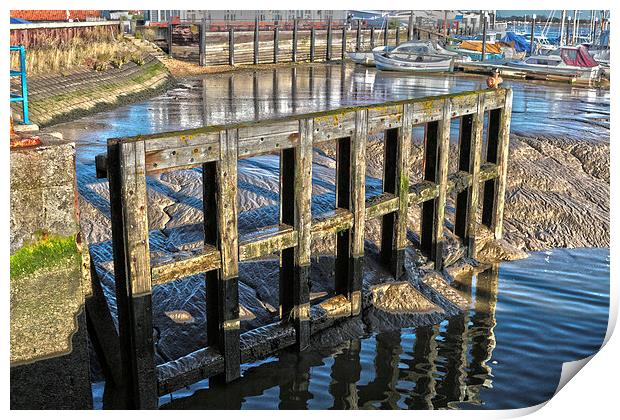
[557,196]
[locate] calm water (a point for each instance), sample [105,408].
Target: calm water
[526,319]
[538,109]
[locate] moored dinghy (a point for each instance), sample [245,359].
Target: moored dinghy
[414,57]
[565,61]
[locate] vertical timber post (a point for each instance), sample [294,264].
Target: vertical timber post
[396,181]
[343,53]
[497,153]
[231,46]
[312,43]
[328,51]
[295,210]
[228,287]
[470,142]
[410,27]
[256,41]
[358,36]
[169,36]
[351,195]
[294,47]
[128,202]
[276,43]
[398,35]
[202,43]
[372,37]
[386,33]
[437,142]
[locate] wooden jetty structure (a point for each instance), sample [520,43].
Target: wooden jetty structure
[217,149]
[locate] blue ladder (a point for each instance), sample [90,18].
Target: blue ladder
[21,73]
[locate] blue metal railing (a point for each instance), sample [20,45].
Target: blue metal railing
[21,73]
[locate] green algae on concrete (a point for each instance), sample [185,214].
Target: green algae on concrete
[46,296]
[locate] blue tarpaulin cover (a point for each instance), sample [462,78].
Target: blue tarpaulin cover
[521,44]
[18,20]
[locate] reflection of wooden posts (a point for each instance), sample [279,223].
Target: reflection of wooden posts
[276,42]
[202,44]
[256,41]
[470,142]
[396,182]
[358,36]
[228,286]
[312,43]
[130,246]
[294,46]
[350,195]
[437,143]
[343,53]
[295,200]
[372,37]
[497,153]
[231,46]
[169,38]
[328,50]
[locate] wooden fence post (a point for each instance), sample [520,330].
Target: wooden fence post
[398,35]
[169,35]
[396,181]
[372,37]
[132,272]
[386,33]
[350,194]
[497,153]
[410,27]
[231,46]
[312,43]
[343,53]
[276,42]
[202,42]
[358,36]
[470,142]
[328,50]
[295,210]
[228,287]
[256,41]
[437,142]
[294,47]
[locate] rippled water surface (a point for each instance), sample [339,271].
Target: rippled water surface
[526,319]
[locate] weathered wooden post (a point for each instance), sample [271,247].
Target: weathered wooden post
[372,37]
[228,286]
[396,182]
[398,34]
[350,195]
[343,53]
[202,42]
[130,246]
[295,211]
[498,138]
[256,41]
[484,37]
[169,36]
[231,46]
[328,50]
[410,27]
[312,43]
[437,142]
[386,32]
[276,43]
[470,143]
[294,47]
[358,36]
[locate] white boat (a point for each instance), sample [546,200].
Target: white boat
[565,61]
[414,57]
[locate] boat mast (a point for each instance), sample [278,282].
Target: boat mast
[562,28]
[574,27]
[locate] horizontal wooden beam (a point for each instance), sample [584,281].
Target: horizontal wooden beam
[266,241]
[381,205]
[164,272]
[331,222]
